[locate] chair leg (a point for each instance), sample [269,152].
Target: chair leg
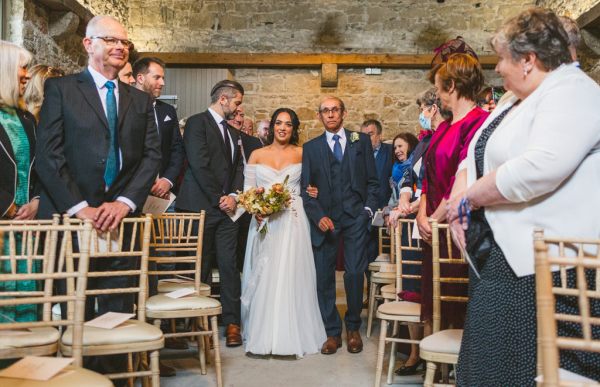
[130,369]
[429,374]
[215,337]
[371,310]
[390,374]
[380,352]
[207,339]
[155,368]
[201,353]
[143,364]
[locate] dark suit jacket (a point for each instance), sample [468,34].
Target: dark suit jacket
[8,166]
[250,144]
[316,171]
[384,163]
[209,170]
[73,142]
[171,142]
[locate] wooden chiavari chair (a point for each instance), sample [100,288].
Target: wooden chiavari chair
[131,241]
[397,311]
[380,277]
[197,306]
[442,346]
[38,254]
[582,257]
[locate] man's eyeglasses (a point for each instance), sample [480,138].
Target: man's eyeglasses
[335,110]
[112,42]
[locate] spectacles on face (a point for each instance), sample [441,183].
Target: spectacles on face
[325,111]
[112,42]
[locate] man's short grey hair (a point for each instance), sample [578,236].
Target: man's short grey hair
[95,22]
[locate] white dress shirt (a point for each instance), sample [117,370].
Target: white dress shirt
[218,120]
[100,81]
[546,154]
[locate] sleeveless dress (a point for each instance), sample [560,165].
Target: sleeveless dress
[280,309]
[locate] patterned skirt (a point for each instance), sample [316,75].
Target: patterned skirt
[499,341]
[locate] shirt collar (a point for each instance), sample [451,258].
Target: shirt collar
[378,148]
[216,116]
[100,80]
[341,133]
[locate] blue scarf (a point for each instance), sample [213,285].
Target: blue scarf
[399,169]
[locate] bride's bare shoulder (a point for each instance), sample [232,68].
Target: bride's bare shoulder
[256,156]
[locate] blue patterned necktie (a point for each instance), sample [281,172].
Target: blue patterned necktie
[112,160]
[337,148]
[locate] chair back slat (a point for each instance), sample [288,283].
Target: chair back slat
[44,256]
[441,232]
[404,227]
[174,233]
[130,240]
[569,257]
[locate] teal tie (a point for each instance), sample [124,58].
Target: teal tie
[112,161]
[337,148]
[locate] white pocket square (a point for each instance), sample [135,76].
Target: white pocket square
[167,118]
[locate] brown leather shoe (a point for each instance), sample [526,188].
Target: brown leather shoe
[233,336]
[331,345]
[165,370]
[355,344]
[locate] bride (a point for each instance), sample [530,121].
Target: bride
[280,310]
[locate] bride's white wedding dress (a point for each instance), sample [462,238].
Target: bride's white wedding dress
[280,309]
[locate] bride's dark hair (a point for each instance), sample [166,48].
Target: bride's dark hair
[295,125]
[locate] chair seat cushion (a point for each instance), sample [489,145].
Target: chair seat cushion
[165,286]
[70,377]
[384,257]
[446,341]
[568,376]
[132,331]
[400,308]
[34,338]
[384,276]
[163,303]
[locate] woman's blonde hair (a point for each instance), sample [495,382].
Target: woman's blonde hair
[34,92]
[12,58]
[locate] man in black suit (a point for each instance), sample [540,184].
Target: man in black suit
[97,152]
[248,144]
[340,164]
[214,174]
[384,161]
[149,74]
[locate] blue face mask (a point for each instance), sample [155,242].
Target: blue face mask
[424,121]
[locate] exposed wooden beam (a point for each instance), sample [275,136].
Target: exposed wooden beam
[590,18]
[297,60]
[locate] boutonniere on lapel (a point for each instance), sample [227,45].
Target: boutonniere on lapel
[354,137]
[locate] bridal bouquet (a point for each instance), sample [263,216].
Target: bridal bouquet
[257,200]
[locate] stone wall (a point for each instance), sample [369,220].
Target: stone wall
[388,26]
[55,37]
[389,97]
[571,8]
[590,59]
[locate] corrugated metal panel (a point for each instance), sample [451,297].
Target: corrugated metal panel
[192,88]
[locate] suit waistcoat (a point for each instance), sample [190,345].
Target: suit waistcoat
[344,199]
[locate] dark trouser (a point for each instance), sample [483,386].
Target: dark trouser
[371,251]
[244,225]
[354,233]
[220,236]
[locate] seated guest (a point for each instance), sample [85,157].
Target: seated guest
[404,144]
[529,166]
[457,82]
[34,92]
[18,195]
[248,126]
